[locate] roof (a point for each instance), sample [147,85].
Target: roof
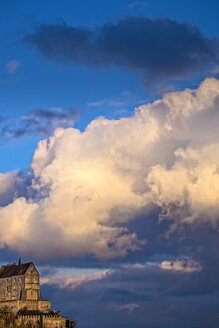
[14,270]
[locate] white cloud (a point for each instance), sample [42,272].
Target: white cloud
[89,183]
[181,266]
[74,280]
[9,184]
[192,183]
[129,306]
[6,180]
[12,66]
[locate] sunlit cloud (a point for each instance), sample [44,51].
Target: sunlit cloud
[73,280]
[88,186]
[181,266]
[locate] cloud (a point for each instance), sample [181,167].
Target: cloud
[129,306]
[158,49]
[215,71]
[13,184]
[139,297]
[88,187]
[74,280]
[12,66]
[7,184]
[137,4]
[118,107]
[181,266]
[198,190]
[39,121]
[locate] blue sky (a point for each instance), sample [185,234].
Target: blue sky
[41,83]
[109,152]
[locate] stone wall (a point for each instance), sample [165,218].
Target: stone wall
[11,288]
[11,306]
[21,298]
[43,306]
[45,321]
[21,287]
[15,306]
[32,284]
[34,320]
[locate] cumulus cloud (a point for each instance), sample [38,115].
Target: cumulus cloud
[5,181]
[87,186]
[13,184]
[160,48]
[197,190]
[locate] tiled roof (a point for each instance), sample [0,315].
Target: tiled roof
[13,270]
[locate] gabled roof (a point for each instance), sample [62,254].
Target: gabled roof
[14,270]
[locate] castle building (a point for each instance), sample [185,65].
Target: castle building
[20,288]
[20,294]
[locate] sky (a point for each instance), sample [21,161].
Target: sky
[109,157]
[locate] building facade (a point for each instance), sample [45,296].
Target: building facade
[20,294]
[20,288]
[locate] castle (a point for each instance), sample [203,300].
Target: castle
[20,294]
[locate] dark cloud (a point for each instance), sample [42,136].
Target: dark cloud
[138,297]
[39,121]
[138,293]
[160,48]
[15,184]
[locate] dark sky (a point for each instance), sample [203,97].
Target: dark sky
[109,148]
